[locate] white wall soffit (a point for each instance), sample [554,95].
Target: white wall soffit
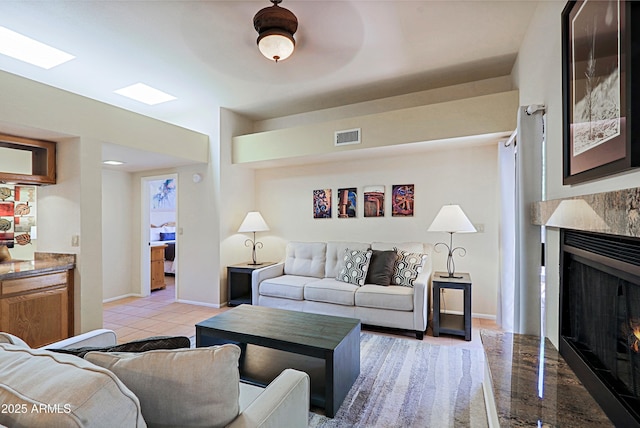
[487,114]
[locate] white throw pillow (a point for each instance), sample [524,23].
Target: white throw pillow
[40,388]
[407,268]
[355,266]
[180,387]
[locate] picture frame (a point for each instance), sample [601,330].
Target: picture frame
[402,200]
[597,58]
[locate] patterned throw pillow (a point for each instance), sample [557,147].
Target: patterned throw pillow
[356,264]
[407,268]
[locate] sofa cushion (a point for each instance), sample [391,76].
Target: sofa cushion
[77,392]
[335,254]
[381,267]
[329,290]
[356,265]
[285,286]
[180,388]
[142,345]
[407,268]
[380,297]
[14,340]
[305,259]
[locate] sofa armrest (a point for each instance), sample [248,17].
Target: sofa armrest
[259,275]
[422,300]
[284,402]
[100,338]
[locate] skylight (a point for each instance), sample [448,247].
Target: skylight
[145,94]
[31,51]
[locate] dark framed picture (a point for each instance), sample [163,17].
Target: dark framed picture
[598,56]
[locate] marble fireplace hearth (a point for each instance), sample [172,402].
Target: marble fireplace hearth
[600,294]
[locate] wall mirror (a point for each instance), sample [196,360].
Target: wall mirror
[27,161]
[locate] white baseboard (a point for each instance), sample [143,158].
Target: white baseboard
[209,305]
[124,296]
[473,315]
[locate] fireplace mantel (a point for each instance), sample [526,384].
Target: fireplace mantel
[616,212]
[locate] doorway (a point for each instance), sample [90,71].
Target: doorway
[159,234]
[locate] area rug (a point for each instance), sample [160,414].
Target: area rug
[409,383]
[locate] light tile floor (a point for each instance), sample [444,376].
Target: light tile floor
[157,315]
[160,315]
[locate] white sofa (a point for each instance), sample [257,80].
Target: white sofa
[45,388]
[306,281]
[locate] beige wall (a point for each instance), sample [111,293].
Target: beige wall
[538,74]
[467,176]
[73,206]
[117,233]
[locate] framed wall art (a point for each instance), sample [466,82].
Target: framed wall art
[347,202]
[402,200]
[373,201]
[598,55]
[322,203]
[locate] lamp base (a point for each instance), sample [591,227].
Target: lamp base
[450,276]
[255,264]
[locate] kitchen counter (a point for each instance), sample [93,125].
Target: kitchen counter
[534,387]
[43,263]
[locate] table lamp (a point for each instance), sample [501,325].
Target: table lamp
[253,222]
[451,219]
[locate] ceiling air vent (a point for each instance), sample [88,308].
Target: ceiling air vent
[348,136]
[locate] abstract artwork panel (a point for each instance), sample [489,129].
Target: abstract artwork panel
[6,208]
[347,202]
[402,200]
[6,238]
[322,203]
[163,195]
[374,201]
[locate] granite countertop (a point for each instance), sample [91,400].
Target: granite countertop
[523,398]
[43,263]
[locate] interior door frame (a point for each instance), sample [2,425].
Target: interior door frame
[145,223]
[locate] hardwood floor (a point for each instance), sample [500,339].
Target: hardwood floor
[160,315]
[157,315]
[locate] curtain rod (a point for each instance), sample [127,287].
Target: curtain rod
[512,139]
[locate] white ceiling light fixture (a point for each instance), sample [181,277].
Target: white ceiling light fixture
[113,162]
[145,94]
[31,51]
[276,26]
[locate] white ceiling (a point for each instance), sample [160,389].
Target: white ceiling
[205,54]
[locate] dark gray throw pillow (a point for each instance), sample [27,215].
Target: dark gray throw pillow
[381,267]
[142,345]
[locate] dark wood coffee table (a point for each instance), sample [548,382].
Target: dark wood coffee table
[325,347]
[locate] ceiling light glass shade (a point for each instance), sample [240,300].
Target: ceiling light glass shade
[275,26]
[276,45]
[451,219]
[253,222]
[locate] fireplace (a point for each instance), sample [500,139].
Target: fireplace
[600,319]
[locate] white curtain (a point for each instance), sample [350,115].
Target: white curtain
[506,287]
[521,186]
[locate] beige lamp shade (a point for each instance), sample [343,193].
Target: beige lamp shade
[451,219]
[577,214]
[253,222]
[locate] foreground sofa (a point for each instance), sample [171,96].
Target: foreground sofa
[42,388]
[309,280]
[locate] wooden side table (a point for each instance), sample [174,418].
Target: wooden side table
[452,323]
[239,282]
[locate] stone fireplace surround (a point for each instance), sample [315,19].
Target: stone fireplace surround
[590,261]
